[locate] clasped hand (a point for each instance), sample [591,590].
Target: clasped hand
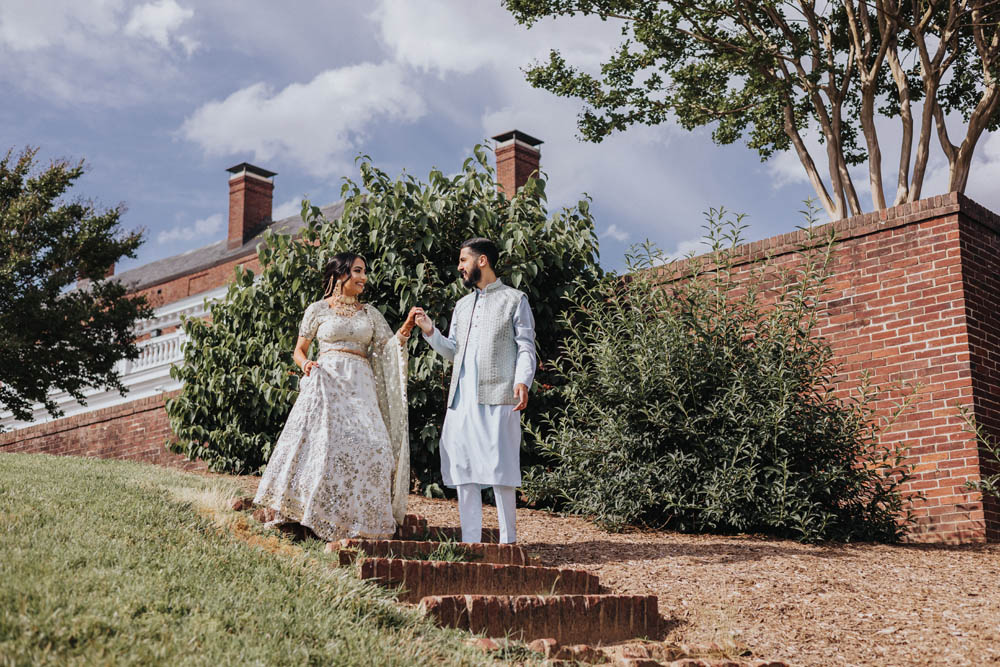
[419,317]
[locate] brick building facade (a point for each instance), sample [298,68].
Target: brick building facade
[915,298]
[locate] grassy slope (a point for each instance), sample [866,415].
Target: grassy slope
[100,561]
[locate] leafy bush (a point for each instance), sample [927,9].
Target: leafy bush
[240,381]
[989,451]
[705,404]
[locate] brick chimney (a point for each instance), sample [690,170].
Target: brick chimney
[250,194]
[518,157]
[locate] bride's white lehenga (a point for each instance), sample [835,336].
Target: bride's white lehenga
[341,466]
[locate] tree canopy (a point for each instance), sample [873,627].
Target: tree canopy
[239,377]
[55,336]
[770,72]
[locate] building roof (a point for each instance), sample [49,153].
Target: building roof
[200,259]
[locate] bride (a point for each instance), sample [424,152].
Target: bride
[341,464]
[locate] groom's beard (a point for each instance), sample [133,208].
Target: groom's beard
[470,279]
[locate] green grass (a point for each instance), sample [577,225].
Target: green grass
[452,552]
[124,563]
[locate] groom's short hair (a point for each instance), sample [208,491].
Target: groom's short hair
[482,246]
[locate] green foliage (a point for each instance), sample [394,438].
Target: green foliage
[705,404]
[107,563]
[769,72]
[989,447]
[238,372]
[55,337]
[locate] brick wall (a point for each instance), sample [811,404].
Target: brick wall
[913,299]
[980,246]
[135,431]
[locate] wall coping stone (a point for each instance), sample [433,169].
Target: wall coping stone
[938,206]
[82,419]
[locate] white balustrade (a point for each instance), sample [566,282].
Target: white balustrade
[148,375]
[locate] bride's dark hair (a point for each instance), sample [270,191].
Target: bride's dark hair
[339,269]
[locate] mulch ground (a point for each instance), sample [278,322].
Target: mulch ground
[859,604]
[854,604]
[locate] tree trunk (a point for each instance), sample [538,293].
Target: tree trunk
[807,163]
[906,118]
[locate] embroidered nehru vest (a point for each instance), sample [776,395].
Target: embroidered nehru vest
[493,310]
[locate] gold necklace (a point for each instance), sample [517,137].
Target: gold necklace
[344,305]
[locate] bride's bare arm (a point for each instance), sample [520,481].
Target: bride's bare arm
[301,360]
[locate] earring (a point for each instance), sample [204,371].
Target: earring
[333,288]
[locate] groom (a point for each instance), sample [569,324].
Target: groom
[491,342]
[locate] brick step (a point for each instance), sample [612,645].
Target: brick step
[569,619]
[440,533]
[422,578]
[414,520]
[501,554]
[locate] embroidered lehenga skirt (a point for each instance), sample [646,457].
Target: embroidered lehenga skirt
[332,466]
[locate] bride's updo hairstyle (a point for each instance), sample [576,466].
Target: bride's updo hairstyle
[338,270]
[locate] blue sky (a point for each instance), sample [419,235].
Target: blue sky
[161,97]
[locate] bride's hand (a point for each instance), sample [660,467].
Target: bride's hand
[306,367]
[404,331]
[421,320]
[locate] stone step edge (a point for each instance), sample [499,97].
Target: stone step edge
[568,619]
[500,554]
[422,578]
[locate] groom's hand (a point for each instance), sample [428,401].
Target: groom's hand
[422,321]
[521,394]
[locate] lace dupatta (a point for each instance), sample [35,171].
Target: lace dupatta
[388,357]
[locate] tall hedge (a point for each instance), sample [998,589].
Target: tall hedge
[239,378]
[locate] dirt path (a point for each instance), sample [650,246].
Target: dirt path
[809,605]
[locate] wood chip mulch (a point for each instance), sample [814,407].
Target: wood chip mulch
[858,604]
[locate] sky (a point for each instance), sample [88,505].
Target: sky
[159,98]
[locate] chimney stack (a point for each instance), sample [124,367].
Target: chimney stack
[518,156]
[250,194]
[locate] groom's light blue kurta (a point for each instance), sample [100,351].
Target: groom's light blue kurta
[481,444]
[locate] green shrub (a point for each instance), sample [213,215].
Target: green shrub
[704,404]
[240,381]
[989,452]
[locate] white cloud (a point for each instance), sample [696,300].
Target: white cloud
[785,168]
[316,125]
[688,248]
[450,37]
[40,24]
[983,175]
[615,233]
[203,228]
[159,21]
[288,209]
[456,36]
[88,52]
